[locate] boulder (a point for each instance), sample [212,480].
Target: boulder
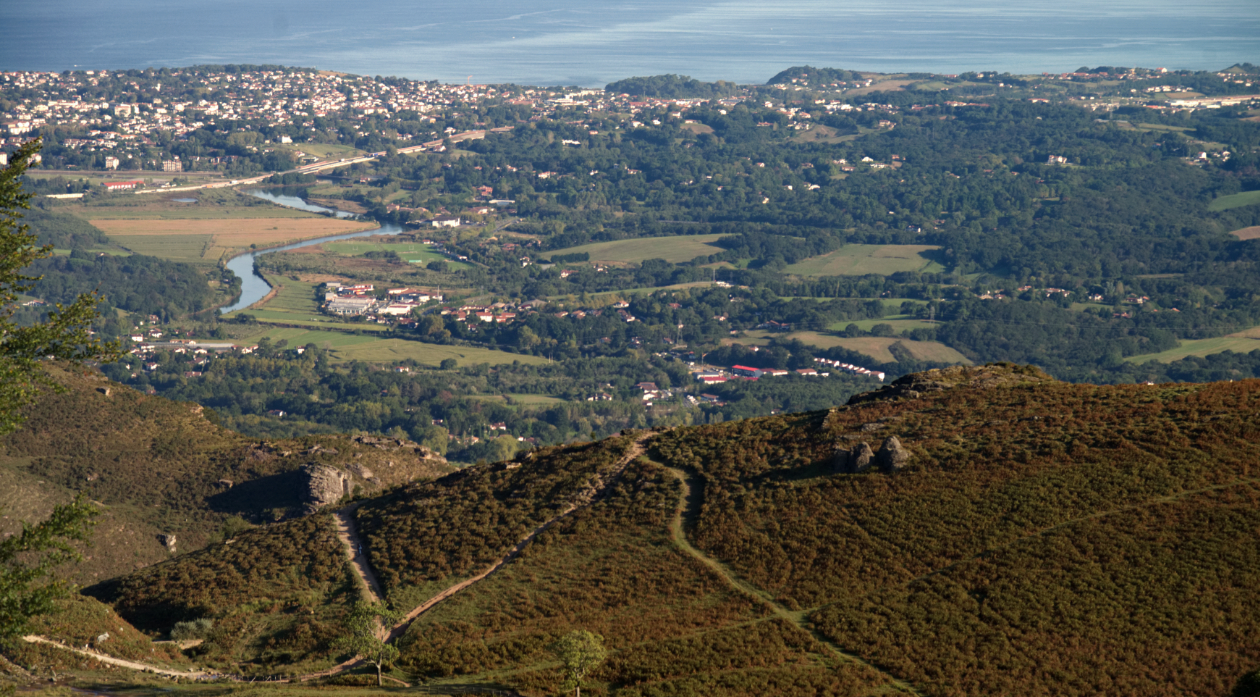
[324,485]
[892,457]
[860,458]
[839,459]
[168,541]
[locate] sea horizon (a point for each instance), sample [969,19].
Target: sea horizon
[559,42]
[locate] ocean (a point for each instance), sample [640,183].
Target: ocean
[590,43]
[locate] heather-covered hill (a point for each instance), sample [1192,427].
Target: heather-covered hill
[969,531]
[168,479]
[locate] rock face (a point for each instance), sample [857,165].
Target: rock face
[324,485]
[892,457]
[860,458]
[916,385]
[168,541]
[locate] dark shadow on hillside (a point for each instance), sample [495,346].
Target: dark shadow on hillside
[284,490]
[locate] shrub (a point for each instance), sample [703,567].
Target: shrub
[196,629]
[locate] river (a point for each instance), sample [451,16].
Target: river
[253,286]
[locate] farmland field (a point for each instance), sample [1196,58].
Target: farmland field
[874,346]
[860,259]
[1224,203]
[378,350]
[898,323]
[207,240]
[877,347]
[1247,233]
[347,347]
[523,399]
[208,204]
[1245,341]
[411,252]
[672,249]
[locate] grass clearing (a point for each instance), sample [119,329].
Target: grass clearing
[874,346]
[899,323]
[822,134]
[411,252]
[379,350]
[1245,341]
[346,347]
[205,241]
[1247,233]
[1224,203]
[672,249]
[521,399]
[862,259]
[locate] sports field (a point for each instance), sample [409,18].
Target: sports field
[1245,341]
[1224,203]
[206,240]
[862,259]
[672,249]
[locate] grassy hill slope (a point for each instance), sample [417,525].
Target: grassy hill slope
[159,467]
[1029,537]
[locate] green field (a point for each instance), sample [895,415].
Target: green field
[1238,342]
[347,347]
[521,399]
[861,259]
[874,346]
[265,316]
[411,252]
[1224,203]
[186,248]
[323,150]
[899,323]
[672,249]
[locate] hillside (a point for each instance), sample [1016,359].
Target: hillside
[168,479]
[961,532]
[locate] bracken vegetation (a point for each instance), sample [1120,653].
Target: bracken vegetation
[275,595]
[459,524]
[675,627]
[1034,525]
[1042,538]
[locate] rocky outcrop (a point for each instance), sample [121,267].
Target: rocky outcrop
[852,460]
[323,485]
[917,385]
[168,541]
[891,456]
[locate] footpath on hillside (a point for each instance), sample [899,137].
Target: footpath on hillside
[347,532]
[689,507]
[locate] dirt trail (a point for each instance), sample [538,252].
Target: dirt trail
[583,499]
[687,505]
[348,533]
[123,663]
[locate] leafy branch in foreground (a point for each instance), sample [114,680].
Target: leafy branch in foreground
[26,559]
[65,335]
